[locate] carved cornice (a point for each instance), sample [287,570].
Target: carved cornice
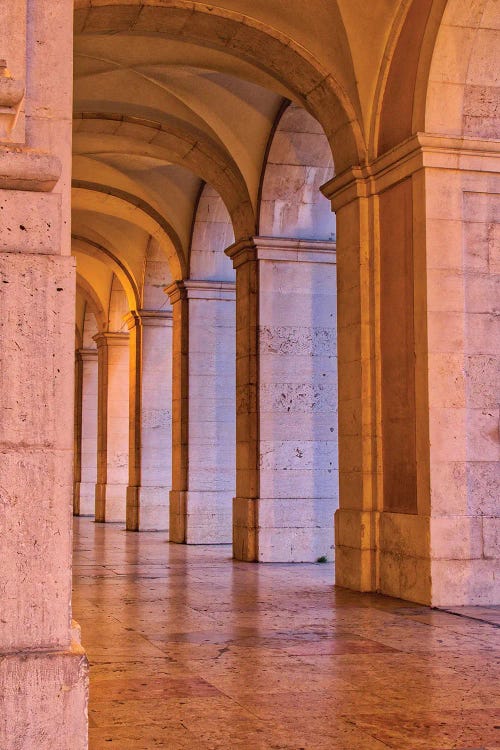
[423,150]
[282,249]
[201,289]
[153,318]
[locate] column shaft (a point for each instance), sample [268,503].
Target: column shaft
[112,426]
[88,432]
[150,420]
[203,468]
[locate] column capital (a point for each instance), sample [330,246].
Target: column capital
[111,338]
[153,318]
[197,289]
[421,151]
[86,354]
[287,249]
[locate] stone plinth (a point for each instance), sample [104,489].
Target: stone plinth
[150,420]
[203,470]
[287,471]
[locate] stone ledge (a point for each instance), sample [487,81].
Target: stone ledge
[28,169]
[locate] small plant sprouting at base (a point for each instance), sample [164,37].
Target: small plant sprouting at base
[322,559]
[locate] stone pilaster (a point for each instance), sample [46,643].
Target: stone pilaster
[86,433]
[286,384]
[112,426]
[418,434]
[150,432]
[203,420]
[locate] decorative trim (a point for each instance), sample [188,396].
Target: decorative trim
[152,318]
[423,150]
[28,169]
[282,249]
[111,338]
[201,289]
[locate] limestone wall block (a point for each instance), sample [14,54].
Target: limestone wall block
[295,544]
[491,537]
[309,483]
[40,678]
[456,538]
[35,527]
[468,582]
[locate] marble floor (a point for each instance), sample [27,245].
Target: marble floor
[189,649]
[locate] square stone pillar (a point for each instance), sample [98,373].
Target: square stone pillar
[418,364]
[86,429]
[203,418]
[286,375]
[112,427]
[43,669]
[150,430]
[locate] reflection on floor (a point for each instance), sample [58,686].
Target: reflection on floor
[191,650]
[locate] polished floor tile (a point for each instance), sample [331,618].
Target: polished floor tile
[191,650]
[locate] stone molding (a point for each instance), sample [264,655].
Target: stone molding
[12,93]
[152,318]
[224,291]
[28,169]
[87,355]
[110,338]
[282,249]
[421,151]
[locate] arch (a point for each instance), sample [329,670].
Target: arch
[96,250]
[92,300]
[156,277]
[125,205]
[212,234]
[299,160]
[186,146]
[406,63]
[235,33]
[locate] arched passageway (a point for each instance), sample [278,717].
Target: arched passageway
[201,132]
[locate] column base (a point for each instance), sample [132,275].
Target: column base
[437,560]
[200,517]
[290,530]
[110,503]
[355,549]
[44,700]
[147,508]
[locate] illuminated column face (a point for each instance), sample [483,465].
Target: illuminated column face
[287,471]
[85,487]
[150,474]
[37,334]
[203,468]
[112,426]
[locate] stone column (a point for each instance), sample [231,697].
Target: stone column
[43,670]
[150,432]
[287,473]
[112,426]
[203,417]
[86,450]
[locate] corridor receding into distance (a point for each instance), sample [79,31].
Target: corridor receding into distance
[191,650]
[249,374]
